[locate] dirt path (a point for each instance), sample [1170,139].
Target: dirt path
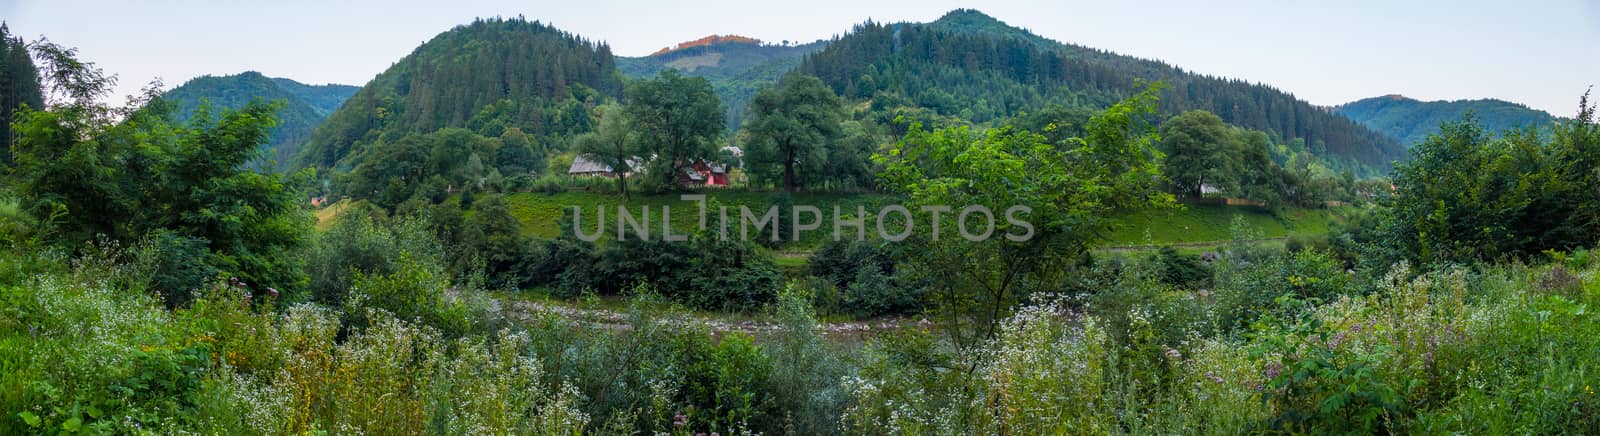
[1201,244]
[613,320]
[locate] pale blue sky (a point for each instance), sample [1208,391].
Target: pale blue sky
[1543,53]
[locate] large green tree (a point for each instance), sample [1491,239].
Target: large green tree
[1466,195]
[1070,187]
[1201,152]
[146,176]
[791,129]
[677,118]
[614,145]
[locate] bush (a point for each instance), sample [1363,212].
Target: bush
[805,371]
[865,277]
[563,264]
[420,291]
[359,242]
[704,273]
[1247,290]
[558,183]
[179,266]
[1183,271]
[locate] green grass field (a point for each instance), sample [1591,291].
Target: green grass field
[1203,224]
[1188,225]
[540,214]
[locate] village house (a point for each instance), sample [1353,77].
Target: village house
[699,173]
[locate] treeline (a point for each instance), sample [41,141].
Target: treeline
[19,83]
[987,74]
[1206,157]
[1468,196]
[737,69]
[303,107]
[488,76]
[1410,121]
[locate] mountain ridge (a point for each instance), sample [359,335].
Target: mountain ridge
[304,106]
[1410,120]
[736,66]
[969,65]
[490,75]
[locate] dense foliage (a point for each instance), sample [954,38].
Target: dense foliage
[146,176]
[302,107]
[1064,192]
[141,257]
[1410,121]
[1205,157]
[19,84]
[677,119]
[737,67]
[1467,196]
[976,68]
[794,130]
[488,76]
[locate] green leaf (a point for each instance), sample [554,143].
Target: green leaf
[72,425]
[30,419]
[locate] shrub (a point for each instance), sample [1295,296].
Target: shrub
[1246,290]
[1183,271]
[704,273]
[864,274]
[563,264]
[179,265]
[805,371]
[420,292]
[360,243]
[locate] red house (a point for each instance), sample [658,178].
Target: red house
[704,173]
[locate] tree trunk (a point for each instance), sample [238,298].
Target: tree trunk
[788,170]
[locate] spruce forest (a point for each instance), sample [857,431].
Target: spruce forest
[451,246]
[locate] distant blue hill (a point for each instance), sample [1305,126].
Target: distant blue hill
[1410,121]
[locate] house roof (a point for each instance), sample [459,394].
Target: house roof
[582,164]
[693,175]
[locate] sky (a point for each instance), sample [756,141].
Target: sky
[1543,53]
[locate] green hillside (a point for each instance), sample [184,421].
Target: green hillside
[304,106]
[973,67]
[19,84]
[737,67]
[488,76]
[1410,121]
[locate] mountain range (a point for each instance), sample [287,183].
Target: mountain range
[966,67]
[1410,121]
[971,66]
[736,66]
[488,76]
[304,106]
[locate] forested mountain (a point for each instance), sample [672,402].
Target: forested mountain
[19,84]
[304,106]
[971,66]
[488,77]
[1410,121]
[737,66]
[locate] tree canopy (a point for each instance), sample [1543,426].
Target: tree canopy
[1067,188]
[792,128]
[678,120]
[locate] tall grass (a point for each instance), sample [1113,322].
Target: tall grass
[1282,344]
